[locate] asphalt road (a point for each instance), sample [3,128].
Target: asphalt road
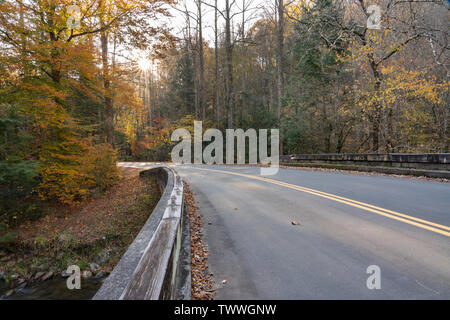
[348,222]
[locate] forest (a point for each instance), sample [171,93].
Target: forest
[86,83]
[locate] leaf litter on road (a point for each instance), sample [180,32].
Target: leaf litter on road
[202,280]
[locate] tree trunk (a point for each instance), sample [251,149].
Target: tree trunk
[109,111]
[376,118]
[280,65]
[201,87]
[229,64]
[243,76]
[216,57]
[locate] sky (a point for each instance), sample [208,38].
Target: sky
[177,22]
[178,19]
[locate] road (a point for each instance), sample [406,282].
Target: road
[348,222]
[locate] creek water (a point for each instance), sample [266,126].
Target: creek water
[54,289]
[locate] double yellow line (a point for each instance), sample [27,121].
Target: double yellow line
[420,223]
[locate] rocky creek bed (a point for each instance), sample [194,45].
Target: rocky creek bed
[54,288]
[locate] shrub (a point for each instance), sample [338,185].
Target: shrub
[73,181]
[100,165]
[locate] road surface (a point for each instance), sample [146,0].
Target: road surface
[348,222]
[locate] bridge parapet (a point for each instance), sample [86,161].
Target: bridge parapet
[157,264]
[429,165]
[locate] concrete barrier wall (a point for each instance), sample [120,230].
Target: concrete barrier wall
[429,165]
[157,264]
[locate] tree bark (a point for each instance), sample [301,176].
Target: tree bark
[280,65]
[201,58]
[229,64]
[109,109]
[216,57]
[377,112]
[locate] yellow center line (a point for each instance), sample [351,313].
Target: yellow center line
[420,223]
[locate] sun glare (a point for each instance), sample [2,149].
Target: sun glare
[144,64]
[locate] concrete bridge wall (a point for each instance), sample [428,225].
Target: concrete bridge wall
[157,264]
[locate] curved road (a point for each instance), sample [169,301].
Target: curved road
[348,222]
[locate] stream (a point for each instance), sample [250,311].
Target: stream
[54,289]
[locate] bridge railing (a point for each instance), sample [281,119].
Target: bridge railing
[429,165]
[157,264]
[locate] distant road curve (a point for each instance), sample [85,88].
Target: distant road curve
[348,222]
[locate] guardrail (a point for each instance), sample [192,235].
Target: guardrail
[428,165]
[156,266]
